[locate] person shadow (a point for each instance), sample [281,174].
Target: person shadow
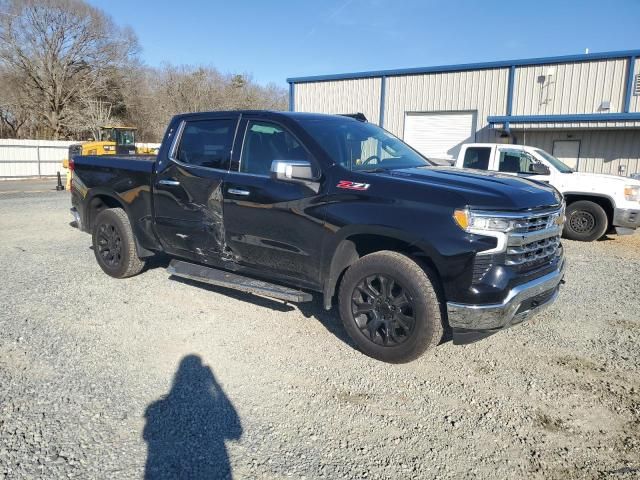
[186,430]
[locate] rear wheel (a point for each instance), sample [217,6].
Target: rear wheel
[389,307]
[586,221]
[114,245]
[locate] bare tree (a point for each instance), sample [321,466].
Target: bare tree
[91,116]
[64,50]
[14,113]
[67,69]
[152,96]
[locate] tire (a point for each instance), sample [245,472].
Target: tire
[388,328]
[114,245]
[586,221]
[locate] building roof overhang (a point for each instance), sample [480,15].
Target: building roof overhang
[585,120]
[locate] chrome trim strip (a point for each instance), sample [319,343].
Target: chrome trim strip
[519,239]
[516,215]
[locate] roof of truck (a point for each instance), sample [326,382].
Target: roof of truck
[275,113]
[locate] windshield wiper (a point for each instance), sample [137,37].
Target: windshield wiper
[374,170]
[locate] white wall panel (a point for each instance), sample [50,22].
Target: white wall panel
[572,88]
[341,96]
[483,91]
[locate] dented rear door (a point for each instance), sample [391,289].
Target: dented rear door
[188,188]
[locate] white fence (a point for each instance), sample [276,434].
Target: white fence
[38,158]
[32,158]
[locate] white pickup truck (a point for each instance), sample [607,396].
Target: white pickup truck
[596,204]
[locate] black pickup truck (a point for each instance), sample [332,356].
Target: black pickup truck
[284,204]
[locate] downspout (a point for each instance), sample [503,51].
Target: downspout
[292,99]
[512,75]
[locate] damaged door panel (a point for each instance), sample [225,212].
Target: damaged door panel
[188,190]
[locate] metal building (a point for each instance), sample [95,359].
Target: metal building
[584,109]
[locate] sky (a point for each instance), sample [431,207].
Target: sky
[273,40]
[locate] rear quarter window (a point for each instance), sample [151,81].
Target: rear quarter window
[477,157]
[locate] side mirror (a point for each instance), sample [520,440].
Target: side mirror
[540,169]
[294,171]
[291,170]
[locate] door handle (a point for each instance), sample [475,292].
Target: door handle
[169,183]
[235,191]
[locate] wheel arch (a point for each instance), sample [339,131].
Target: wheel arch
[356,243]
[101,200]
[605,201]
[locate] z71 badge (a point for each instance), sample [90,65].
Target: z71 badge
[346,184]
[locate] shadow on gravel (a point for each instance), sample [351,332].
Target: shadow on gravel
[186,430]
[314,309]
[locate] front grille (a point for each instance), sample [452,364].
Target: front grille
[535,223]
[533,243]
[534,253]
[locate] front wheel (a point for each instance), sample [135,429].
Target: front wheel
[389,307]
[586,221]
[114,245]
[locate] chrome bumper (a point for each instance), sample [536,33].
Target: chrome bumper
[626,220]
[519,305]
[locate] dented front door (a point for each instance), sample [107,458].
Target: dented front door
[188,189]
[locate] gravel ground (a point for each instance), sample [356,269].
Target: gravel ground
[105,378]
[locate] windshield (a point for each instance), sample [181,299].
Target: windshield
[361,146]
[561,167]
[119,136]
[125,137]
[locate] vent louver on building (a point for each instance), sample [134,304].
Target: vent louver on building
[636,87]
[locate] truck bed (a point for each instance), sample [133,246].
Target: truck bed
[136,163]
[100,179]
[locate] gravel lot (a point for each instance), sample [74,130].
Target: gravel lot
[105,378]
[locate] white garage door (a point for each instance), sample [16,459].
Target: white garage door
[439,135]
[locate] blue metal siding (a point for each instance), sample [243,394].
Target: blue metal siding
[588,117]
[292,97]
[383,99]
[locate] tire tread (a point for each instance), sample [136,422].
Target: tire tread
[134,264]
[387,260]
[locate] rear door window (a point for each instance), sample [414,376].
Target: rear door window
[207,143]
[477,157]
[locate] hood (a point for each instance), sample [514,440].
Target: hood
[481,189]
[601,177]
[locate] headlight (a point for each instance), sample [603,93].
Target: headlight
[632,193]
[470,221]
[479,222]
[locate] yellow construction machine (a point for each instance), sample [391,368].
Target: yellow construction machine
[112,141]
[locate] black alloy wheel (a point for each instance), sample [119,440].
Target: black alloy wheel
[109,245]
[389,306]
[114,244]
[383,310]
